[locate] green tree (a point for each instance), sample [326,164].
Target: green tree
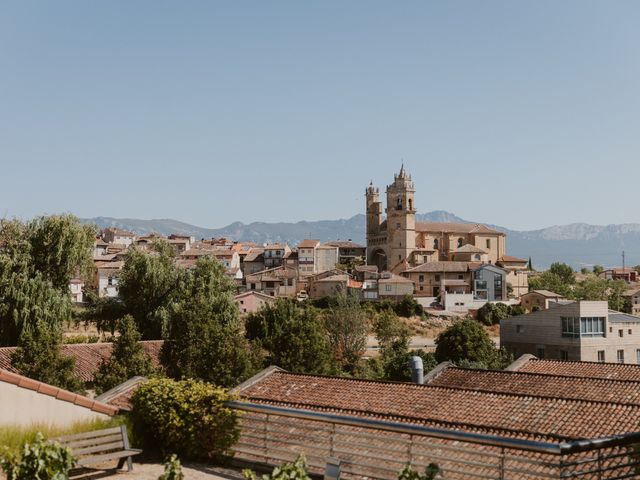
[128,358]
[552,282]
[148,284]
[598,269]
[61,247]
[38,357]
[26,300]
[564,271]
[293,336]
[203,338]
[601,289]
[466,340]
[347,327]
[492,313]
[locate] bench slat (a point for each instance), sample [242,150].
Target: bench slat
[109,456]
[93,434]
[99,448]
[92,441]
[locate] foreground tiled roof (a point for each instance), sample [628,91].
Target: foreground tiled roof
[520,416]
[62,395]
[577,388]
[616,371]
[88,356]
[120,395]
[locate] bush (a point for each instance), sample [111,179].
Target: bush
[172,469]
[288,471]
[188,417]
[409,473]
[40,460]
[492,313]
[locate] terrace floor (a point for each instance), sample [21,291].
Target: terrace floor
[151,471]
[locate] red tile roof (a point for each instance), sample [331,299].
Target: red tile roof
[520,416]
[63,395]
[524,383]
[88,356]
[452,227]
[309,243]
[615,371]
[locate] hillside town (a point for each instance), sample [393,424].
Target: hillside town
[284,240]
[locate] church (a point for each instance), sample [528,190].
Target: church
[400,244]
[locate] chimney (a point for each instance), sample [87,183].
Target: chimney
[417,370]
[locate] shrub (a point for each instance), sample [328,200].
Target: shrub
[172,469]
[188,417]
[492,313]
[288,471]
[409,473]
[40,460]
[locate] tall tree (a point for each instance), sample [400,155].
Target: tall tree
[61,246]
[27,300]
[564,271]
[148,285]
[293,336]
[128,358]
[204,339]
[38,357]
[347,327]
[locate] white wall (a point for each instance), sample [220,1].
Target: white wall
[24,407]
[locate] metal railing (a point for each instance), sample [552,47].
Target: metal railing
[375,448]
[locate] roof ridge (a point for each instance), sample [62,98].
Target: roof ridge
[557,375]
[58,393]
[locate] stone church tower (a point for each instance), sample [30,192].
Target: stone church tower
[390,242]
[401,220]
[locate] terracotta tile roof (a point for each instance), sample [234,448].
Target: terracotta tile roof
[88,356]
[451,227]
[470,249]
[120,395]
[520,416]
[63,395]
[614,371]
[536,384]
[510,259]
[545,293]
[393,278]
[345,245]
[309,244]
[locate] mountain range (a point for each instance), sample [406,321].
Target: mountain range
[578,244]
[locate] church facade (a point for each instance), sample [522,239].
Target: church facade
[399,242]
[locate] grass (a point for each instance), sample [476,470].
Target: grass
[12,437]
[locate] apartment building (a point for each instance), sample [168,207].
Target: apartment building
[633,296]
[577,331]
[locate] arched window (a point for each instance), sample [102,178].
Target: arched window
[410,204]
[460,242]
[436,244]
[399,204]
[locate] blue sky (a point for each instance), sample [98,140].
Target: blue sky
[523,114]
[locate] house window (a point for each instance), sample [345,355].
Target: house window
[387,288]
[629,331]
[421,278]
[582,327]
[488,243]
[601,356]
[620,356]
[436,244]
[437,278]
[564,355]
[421,288]
[621,333]
[519,329]
[540,351]
[460,242]
[398,226]
[460,277]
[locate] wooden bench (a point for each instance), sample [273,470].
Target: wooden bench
[100,446]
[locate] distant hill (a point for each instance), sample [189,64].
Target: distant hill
[577,244]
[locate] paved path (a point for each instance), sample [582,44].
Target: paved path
[151,471]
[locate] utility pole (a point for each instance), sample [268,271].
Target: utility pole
[623,261]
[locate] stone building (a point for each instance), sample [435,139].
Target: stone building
[399,242]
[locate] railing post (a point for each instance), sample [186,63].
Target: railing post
[599,464]
[332,439]
[264,439]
